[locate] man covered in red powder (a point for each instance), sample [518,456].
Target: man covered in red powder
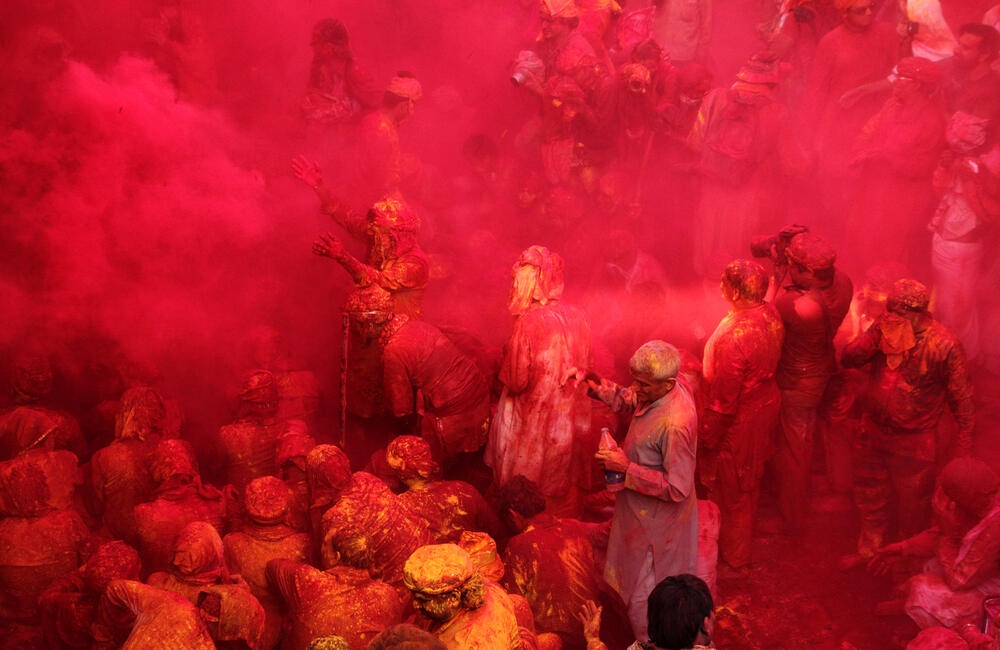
[917,366]
[541,427]
[858,52]
[30,423]
[120,472]
[426,378]
[179,499]
[339,90]
[265,537]
[895,157]
[563,48]
[38,542]
[464,611]
[741,404]
[964,543]
[394,260]
[248,445]
[448,507]
[156,619]
[371,528]
[341,600]
[811,308]
[69,604]
[550,562]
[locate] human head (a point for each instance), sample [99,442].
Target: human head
[198,551]
[293,446]
[637,78]
[232,614]
[518,501]
[329,642]
[971,484]
[173,459]
[404,636]
[811,260]
[559,18]
[393,227]
[538,278]
[648,54]
[266,500]
[369,308]
[443,580]
[654,367]
[915,77]
[977,44]
[259,395]
[693,83]
[141,414]
[31,376]
[24,490]
[679,609]
[482,549]
[410,459]
[330,40]
[858,15]
[907,297]
[401,96]
[744,281]
[327,471]
[111,561]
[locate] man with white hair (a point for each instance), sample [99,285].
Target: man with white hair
[654,533]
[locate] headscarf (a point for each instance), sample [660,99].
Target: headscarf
[635,27]
[538,277]
[437,569]
[328,472]
[560,9]
[23,489]
[482,550]
[31,376]
[294,444]
[111,561]
[266,500]
[141,415]
[372,298]
[259,386]
[241,617]
[393,213]
[174,459]
[410,457]
[205,555]
[406,87]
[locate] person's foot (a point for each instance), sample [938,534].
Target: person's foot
[851,562]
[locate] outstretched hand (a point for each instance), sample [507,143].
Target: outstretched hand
[328,246]
[885,557]
[307,171]
[590,616]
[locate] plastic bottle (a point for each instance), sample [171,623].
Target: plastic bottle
[615,481]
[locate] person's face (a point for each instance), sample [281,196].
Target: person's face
[184,561]
[369,324]
[969,51]
[442,607]
[944,510]
[553,28]
[649,389]
[800,275]
[861,15]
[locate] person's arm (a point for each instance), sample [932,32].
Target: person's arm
[309,172]
[398,383]
[729,369]
[673,481]
[959,396]
[281,575]
[405,272]
[862,349]
[977,556]
[515,370]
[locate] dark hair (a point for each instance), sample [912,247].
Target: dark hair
[677,608]
[989,38]
[390,100]
[648,49]
[521,495]
[748,278]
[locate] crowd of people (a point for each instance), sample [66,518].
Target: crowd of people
[585,487]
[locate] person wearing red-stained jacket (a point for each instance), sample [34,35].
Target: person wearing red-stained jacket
[742,401]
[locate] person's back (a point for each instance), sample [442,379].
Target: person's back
[121,481]
[341,600]
[552,565]
[162,620]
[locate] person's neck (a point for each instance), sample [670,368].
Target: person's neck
[741,305]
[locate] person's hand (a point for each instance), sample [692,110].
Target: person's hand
[885,557]
[307,171]
[328,246]
[590,616]
[614,460]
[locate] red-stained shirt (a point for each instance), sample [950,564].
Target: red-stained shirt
[341,600]
[912,397]
[811,319]
[450,507]
[552,565]
[248,450]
